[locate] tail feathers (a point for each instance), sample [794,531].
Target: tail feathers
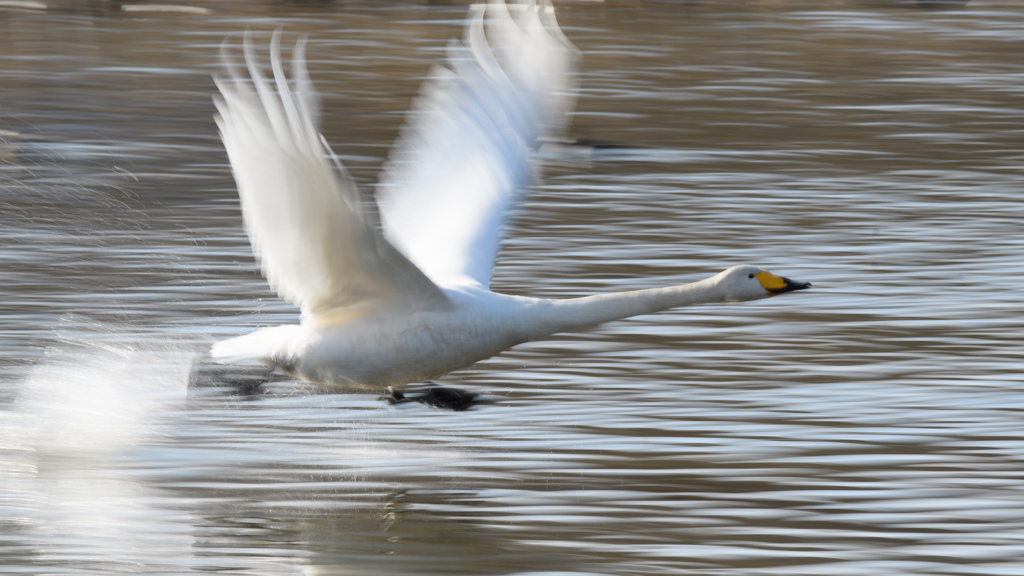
[267,345]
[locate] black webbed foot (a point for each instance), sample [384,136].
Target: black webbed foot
[436,396]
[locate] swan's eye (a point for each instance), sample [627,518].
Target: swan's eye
[751,275]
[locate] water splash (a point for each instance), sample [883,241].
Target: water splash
[99,393]
[99,388]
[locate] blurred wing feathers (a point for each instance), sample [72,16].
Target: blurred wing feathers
[466,153]
[301,212]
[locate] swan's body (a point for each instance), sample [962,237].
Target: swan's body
[412,303]
[385,349]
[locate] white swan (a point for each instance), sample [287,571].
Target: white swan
[412,302]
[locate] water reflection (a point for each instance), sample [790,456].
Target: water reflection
[873,429]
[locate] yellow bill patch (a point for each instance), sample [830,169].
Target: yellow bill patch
[770,281]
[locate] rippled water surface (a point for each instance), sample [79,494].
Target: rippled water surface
[872,425]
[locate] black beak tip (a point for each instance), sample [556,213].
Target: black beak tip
[792,285]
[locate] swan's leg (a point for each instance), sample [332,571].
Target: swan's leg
[392,396]
[436,396]
[245,380]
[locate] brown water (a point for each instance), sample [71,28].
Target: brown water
[873,425]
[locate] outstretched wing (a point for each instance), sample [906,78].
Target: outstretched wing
[466,153]
[302,213]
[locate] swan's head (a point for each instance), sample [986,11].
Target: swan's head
[741,283]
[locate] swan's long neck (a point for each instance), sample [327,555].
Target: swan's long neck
[552,316]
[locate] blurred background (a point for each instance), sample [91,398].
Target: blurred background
[871,425]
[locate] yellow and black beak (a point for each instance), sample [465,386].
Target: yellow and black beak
[775,284]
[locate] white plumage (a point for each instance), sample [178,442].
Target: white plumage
[412,302]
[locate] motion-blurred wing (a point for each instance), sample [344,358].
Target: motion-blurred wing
[466,153]
[301,212]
